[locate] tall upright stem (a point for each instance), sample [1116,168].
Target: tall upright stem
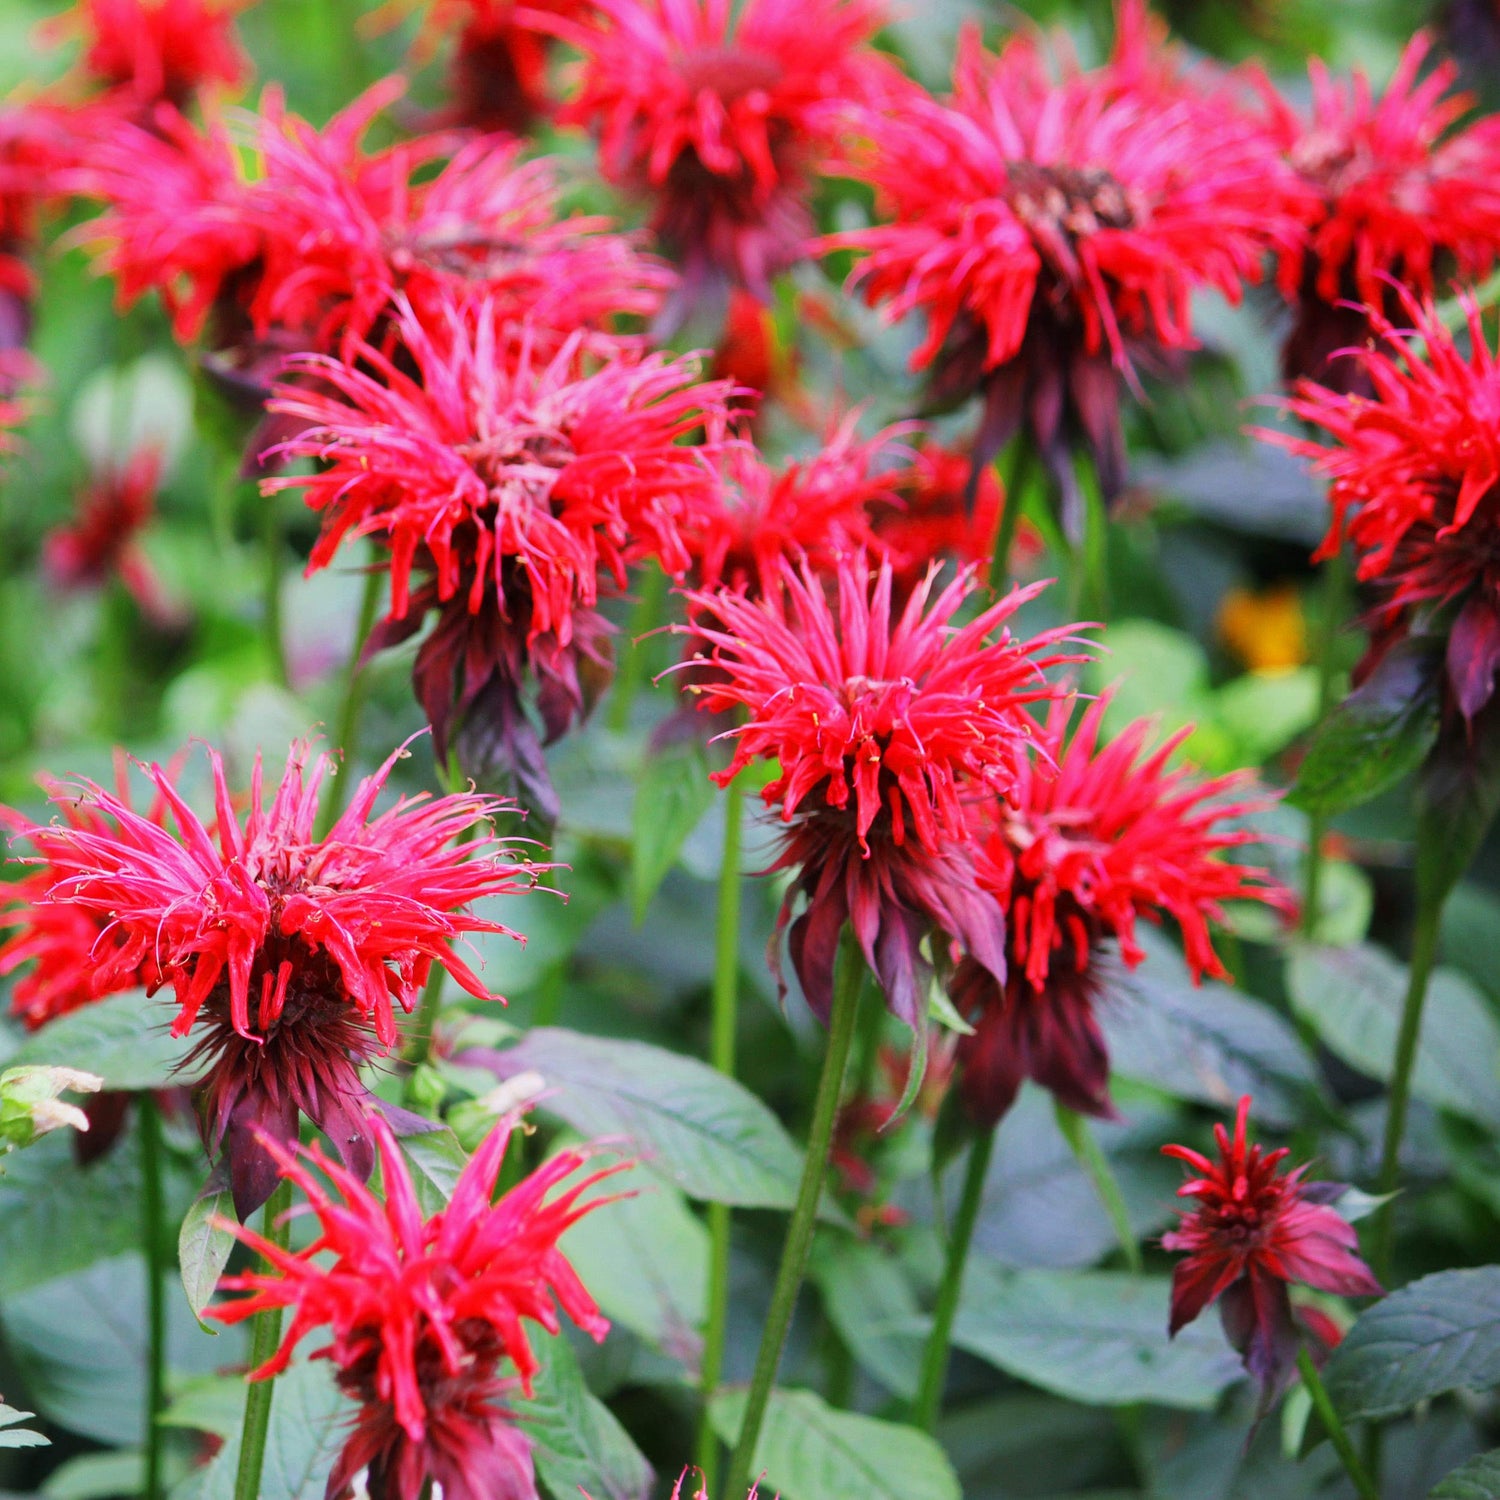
[1332,606]
[346,733]
[848,981]
[155,1253]
[1423,956]
[265,1335]
[272,545]
[721,1055]
[935,1356]
[1359,1476]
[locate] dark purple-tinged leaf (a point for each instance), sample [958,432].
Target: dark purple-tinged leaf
[1458,794]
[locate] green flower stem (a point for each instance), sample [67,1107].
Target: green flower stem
[1333,606]
[155,1252]
[1338,1435]
[650,608]
[265,1335]
[1017,473]
[1092,1159]
[721,1055]
[848,981]
[346,735]
[1423,956]
[272,545]
[935,1356]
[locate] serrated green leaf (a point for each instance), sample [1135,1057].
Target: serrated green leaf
[1439,1334]
[125,1039]
[577,1443]
[1479,1479]
[12,1436]
[1381,732]
[672,794]
[1353,998]
[203,1248]
[701,1130]
[436,1159]
[1094,1336]
[809,1451]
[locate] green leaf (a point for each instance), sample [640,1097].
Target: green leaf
[1099,1337]
[203,1248]
[31,1106]
[1207,1043]
[809,1451]
[1353,998]
[435,1159]
[125,1039]
[1157,670]
[1458,794]
[309,1424]
[870,1301]
[1439,1334]
[1381,732]
[707,1133]
[577,1443]
[97,1476]
[644,1259]
[672,793]
[1266,711]
[12,1436]
[1479,1479]
[211,1403]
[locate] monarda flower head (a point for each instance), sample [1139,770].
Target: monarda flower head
[1255,1230]
[507,485]
[1415,489]
[348,230]
[422,1313]
[722,114]
[1053,229]
[289,952]
[1089,839]
[883,727]
[1398,195]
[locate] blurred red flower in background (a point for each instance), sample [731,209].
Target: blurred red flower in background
[1397,195]
[882,727]
[1088,839]
[421,1313]
[724,117]
[296,947]
[1255,1230]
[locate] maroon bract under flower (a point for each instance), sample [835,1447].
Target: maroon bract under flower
[723,115]
[1415,489]
[509,483]
[294,950]
[1089,839]
[1053,229]
[1397,195]
[1254,1231]
[883,728]
[422,1313]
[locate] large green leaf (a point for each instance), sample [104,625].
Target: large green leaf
[1378,734]
[1479,1479]
[809,1451]
[1439,1334]
[125,1039]
[672,794]
[1353,997]
[870,1301]
[577,1443]
[1206,1043]
[707,1133]
[1093,1336]
[644,1258]
[309,1423]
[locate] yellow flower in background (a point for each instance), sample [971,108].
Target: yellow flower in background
[1265,629]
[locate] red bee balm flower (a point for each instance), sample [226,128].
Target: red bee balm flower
[723,115]
[422,1313]
[293,948]
[1396,194]
[1416,489]
[1088,840]
[1047,228]
[509,484]
[1254,1231]
[883,728]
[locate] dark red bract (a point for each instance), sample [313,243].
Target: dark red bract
[421,1313]
[1256,1230]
